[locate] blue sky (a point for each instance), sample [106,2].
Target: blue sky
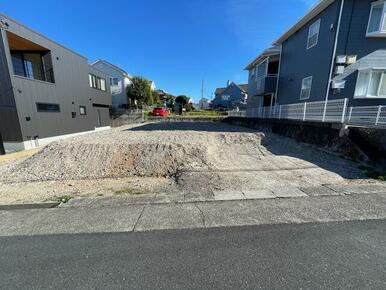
[176,43]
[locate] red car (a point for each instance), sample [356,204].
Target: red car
[162,112]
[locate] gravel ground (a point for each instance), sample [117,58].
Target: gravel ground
[177,158]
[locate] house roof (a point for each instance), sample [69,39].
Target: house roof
[318,8]
[243,87]
[219,91]
[275,50]
[111,65]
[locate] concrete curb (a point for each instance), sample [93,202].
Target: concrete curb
[21,206]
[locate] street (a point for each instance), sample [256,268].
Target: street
[337,255]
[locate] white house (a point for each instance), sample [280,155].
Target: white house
[204,104]
[119,81]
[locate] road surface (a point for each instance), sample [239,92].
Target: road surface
[310,256]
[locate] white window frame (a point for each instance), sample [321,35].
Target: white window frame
[380,32]
[301,89]
[367,96]
[317,22]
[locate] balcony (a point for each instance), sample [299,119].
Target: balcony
[264,85]
[30,60]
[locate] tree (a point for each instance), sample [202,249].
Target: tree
[182,100]
[156,98]
[139,92]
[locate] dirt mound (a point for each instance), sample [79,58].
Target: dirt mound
[63,161]
[118,153]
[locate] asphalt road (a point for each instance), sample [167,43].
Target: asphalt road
[309,256]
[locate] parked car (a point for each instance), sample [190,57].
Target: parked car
[162,112]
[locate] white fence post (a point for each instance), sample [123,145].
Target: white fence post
[280,112]
[324,111]
[304,112]
[378,115]
[349,116]
[344,110]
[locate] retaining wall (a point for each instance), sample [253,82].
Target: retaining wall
[362,144]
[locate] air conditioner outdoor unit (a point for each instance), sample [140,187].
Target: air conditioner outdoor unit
[339,69]
[341,59]
[338,84]
[351,59]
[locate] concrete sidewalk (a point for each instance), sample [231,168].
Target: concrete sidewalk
[113,215]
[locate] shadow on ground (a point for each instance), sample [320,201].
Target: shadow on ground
[192,126]
[284,146]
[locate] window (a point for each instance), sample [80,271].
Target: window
[306,88]
[371,84]
[313,34]
[377,23]
[261,69]
[73,115]
[82,110]
[97,82]
[45,107]
[103,84]
[33,65]
[90,80]
[114,81]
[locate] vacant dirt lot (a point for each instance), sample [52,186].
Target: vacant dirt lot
[190,159]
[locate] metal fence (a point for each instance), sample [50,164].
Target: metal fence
[335,111]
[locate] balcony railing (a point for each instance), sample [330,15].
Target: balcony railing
[265,85]
[334,111]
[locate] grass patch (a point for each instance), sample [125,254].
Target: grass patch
[63,198]
[205,114]
[129,191]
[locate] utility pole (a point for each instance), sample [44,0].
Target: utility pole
[202,89]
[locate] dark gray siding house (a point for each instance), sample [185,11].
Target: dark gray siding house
[231,97]
[263,78]
[46,90]
[336,51]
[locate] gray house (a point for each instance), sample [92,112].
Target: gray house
[46,90]
[231,97]
[336,51]
[119,81]
[263,78]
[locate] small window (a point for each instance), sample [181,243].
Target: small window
[45,107]
[114,81]
[103,85]
[94,81]
[90,80]
[98,83]
[82,110]
[73,115]
[377,23]
[313,34]
[306,88]
[371,84]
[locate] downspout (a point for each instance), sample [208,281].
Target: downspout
[278,75]
[334,55]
